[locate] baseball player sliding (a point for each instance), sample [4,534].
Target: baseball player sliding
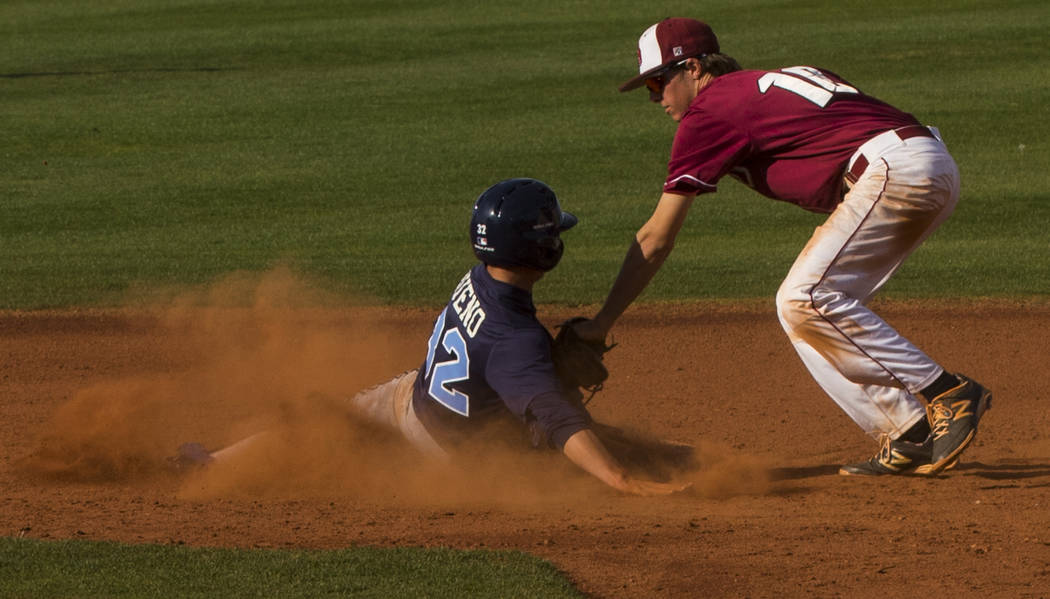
[806,136]
[489,359]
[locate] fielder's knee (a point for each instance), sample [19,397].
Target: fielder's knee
[794,308]
[804,311]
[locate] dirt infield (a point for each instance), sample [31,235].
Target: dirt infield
[92,401]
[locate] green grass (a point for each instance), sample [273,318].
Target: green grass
[156,144]
[166,143]
[68,569]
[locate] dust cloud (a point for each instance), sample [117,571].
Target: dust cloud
[271,353]
[724,473]
[245,354]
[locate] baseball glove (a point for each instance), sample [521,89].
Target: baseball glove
[577,360]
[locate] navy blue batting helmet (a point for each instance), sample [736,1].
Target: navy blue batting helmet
[517,223]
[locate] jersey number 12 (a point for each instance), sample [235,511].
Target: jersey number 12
[449,371]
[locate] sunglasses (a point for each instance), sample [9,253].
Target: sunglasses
[658,81]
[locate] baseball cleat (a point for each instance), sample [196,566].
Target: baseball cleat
[190,456]
[954,415]
[894,457]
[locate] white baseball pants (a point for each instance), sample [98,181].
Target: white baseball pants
[390,404]
[872,372]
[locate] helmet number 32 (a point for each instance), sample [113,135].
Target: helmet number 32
[448,371]
[807,82]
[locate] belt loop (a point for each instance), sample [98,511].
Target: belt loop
[859,166]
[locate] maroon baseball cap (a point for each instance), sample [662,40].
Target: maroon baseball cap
[669,41]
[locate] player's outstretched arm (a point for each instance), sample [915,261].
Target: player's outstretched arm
[587,451]
[651,246]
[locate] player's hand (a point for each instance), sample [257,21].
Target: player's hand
[590,330]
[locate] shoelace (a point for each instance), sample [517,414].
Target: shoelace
[942,417]
[885,451]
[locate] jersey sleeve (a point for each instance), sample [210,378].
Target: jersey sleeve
[521,371]
[557,418]
[704,150]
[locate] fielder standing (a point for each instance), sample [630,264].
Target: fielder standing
[806,136]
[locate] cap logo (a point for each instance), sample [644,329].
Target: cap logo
[639,57]
[677,50]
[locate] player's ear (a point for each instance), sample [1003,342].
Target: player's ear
[694,67]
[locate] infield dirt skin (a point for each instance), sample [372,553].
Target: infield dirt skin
[92,401]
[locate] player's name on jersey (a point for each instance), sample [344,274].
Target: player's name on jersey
[466,305]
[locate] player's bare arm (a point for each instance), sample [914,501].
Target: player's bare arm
[587,451]
[651,247]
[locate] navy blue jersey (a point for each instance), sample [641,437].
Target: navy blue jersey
[489,359]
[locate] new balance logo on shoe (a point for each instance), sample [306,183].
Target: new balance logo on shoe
[954,416]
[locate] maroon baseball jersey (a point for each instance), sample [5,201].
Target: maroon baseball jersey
[787,134]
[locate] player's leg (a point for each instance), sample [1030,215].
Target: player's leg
[387,404]
[877,409]
[238,448]
[390,404]
[865,365]
[822,301]
[377,404]
[409,424]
